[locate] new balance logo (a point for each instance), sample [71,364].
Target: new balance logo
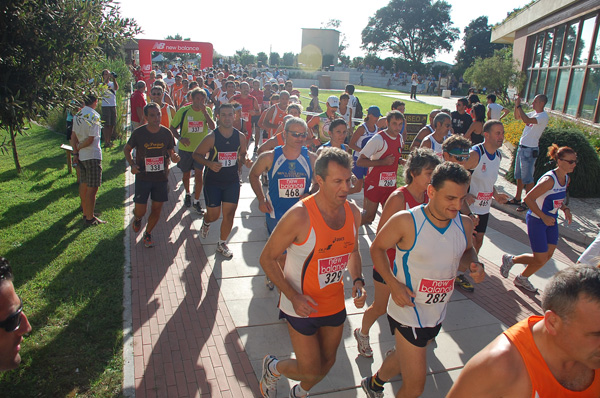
[158,46]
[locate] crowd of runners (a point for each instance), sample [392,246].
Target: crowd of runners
[303,170]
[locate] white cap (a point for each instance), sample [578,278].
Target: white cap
[333,101]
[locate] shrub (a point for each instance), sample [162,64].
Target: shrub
[584,180]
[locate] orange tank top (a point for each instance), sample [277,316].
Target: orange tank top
[165,116]
[542,380]
[316,266]
[276,118]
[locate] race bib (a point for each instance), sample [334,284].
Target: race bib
[484,198]
[558,203]
[387,179]
[331,269]
[434,291]
[155,164]
[228,159]
[291,187]
[195,126]
[246,116]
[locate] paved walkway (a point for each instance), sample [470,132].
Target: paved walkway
[201,324]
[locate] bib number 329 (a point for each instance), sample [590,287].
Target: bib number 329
[331,269]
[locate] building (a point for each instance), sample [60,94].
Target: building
[323,43]
[556,43]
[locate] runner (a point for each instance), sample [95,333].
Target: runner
[275,114]
[554,355]
[250,108]
[320,236]
[381,155]
[166,111]
[441,130]
[225,147]
[543,201]
[461,120]
[293,110]
[289,170]
[417,174]
[337,134]
[346,111]
[359,139]
[154,145]
[193,122]
[420,284]
[319,125]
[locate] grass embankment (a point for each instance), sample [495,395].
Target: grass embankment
[70,277]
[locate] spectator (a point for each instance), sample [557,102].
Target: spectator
[138,102]
[13,321]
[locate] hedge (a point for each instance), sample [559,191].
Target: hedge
[585,180]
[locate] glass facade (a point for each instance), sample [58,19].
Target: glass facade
[564,63]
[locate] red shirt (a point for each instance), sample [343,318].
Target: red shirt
[137,101]
[246,103]
[258,95]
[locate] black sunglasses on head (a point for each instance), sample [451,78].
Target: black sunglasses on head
[13,322]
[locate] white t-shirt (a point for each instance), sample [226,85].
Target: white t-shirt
[169,81]
[110,97]
[495,110]
[532,132]
[86,123]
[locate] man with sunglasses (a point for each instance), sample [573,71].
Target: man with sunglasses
[166,111]
[13,321]
[289,169]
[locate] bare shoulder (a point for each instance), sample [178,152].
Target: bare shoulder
[496,371]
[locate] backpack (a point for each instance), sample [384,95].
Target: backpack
[359,109]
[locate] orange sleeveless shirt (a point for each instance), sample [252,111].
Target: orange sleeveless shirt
[542,380]
[316,266]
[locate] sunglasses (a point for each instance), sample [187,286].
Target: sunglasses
[298,135]
[570,161]
[461,158]
[13,322]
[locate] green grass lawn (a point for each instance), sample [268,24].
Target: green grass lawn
[371,98]
[70,277]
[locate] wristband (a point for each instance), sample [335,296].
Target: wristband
[75,154]
[359,279]
[518,106]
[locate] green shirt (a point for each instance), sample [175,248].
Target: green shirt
[194,126]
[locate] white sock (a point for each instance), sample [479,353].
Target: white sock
[361,333]
[196,201]
[299,392]
[219,242]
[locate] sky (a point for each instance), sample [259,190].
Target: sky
[269,24]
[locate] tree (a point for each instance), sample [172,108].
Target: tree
[496,73]
[244,57]
[262,58]
[50,55]
[274,59]
[288,59]
[414,29]
[476,43]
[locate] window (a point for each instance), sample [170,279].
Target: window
[547,48]
[563,62]
[585,41]
[570,43]
[575,91]
[558,42]
[561,89]
[551,84]
[590,95]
